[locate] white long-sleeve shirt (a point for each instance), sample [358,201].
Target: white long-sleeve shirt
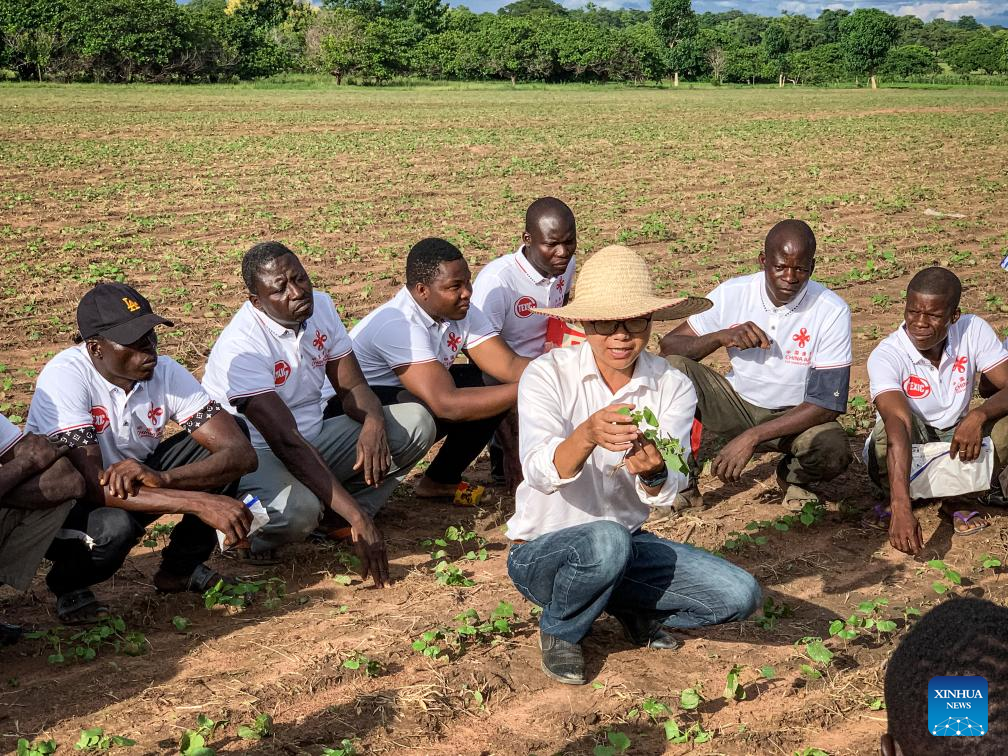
[558,392]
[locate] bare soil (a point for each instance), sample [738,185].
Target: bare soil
[166,187]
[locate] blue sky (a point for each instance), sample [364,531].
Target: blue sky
[985,11]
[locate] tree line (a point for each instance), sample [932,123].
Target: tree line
[375,41]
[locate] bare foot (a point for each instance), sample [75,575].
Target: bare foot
[428,489]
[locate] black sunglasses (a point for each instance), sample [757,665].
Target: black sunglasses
[609,327]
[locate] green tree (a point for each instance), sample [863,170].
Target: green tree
[533,8]
[33,33]
[981,52]
[334,43]
[829,24]
[747,64]
[903,61]
[866,36]
[825,64]
[676,25]
[777,45]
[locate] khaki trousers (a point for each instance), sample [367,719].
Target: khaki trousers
[815,455]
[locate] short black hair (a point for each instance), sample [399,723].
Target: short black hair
[961,637]
[257,258]
[938,281]
[791,233]
[547,207]
[426,256]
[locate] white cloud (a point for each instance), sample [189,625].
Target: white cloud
[949,11]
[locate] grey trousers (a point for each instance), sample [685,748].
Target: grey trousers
[25,534]
[819,453]
[294,511]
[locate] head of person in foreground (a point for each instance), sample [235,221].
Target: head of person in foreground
[788,259]
[615,301]
[959,638]
[438,278]
[932,306]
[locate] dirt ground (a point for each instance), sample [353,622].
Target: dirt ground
[166,188]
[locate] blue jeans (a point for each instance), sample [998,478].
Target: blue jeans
[577,573]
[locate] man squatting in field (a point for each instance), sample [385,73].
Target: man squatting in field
[407,348]
[109,399]
[38,486]
[577,548]
[789,342]
[508,289]
[922,378]
[269,365]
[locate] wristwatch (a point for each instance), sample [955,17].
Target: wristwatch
[655,480]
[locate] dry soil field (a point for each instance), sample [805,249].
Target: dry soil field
[166,187]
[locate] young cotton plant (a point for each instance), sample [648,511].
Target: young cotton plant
[670,448]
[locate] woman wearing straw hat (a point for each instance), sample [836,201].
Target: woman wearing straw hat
[590,477]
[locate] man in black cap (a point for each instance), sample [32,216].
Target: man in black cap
[109,399]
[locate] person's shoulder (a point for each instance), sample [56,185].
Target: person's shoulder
[322,300]
[660,368]
[495,269]
[242,325]
[739,282]
[386,321]
[72,360]
[555,362]
[824,297]
[889,347]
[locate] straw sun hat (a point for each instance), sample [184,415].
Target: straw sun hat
[615,284]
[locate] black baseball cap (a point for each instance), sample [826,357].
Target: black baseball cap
[116,312]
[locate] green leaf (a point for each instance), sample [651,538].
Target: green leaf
[342,579]
[623,411]
[672,731]
[836,626]
[247,733]
[649,417]
[885,626]
[818,652]
[939,587]
[180,623]
[689,699]
[619,741]
[768,672]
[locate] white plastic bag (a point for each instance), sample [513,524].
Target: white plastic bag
[933,473]
[259,517]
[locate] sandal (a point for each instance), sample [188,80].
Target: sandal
[968,528]
[201,580]
[877,519]
[80,607]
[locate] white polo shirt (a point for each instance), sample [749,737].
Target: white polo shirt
[811,331]
[10,434]
[940,396]
[558,392]
[72,400]
[400,333]
[256,355]
[506,291]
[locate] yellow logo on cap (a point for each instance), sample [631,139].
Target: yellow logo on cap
[131,305]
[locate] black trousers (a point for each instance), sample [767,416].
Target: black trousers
[116,531]
[463,441]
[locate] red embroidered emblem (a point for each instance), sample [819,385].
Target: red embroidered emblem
[154,414]
[320,340]
[559,284]
[802,337]
[916,387]
[453,341]
[523,307]
[960,364]
[99,418]
[281,372]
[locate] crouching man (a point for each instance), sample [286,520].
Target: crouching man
[37,489]
[590,476]
[109,400]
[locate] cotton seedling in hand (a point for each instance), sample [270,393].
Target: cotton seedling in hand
[670,448]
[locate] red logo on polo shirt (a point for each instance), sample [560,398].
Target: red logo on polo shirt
[916,387]
[560,284]
[523,307]
[454,341]
[281,372]
[99,418]
[154,414]
[320,340]
[960,364]
[802,337]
